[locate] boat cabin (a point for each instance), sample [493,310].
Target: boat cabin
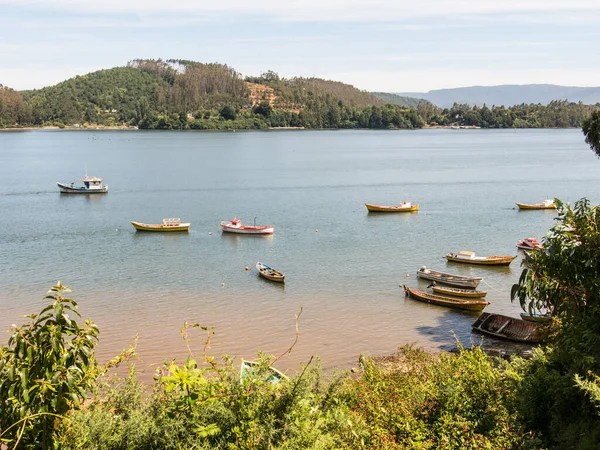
[464,254]
[93,182]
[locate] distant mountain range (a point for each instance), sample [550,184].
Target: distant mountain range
[508,95]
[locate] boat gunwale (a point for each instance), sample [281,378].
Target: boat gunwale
[439,300]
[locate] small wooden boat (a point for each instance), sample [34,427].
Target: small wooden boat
[546,204]
[508,328]
[235,226]
[469,258]
[536,317]
[457,292]
[529,243]
[269,273]
[447,278]
[401,207]
[251,369]
[91,185]
[167,225]
[450,302]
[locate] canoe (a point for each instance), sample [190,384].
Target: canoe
[536,317]
[235,226]
[546,204]
[270,273]
[402,207]
[168,225]
[450,302]
[469,258]
[457,292]
[251,369]
[448,278]
[508,328]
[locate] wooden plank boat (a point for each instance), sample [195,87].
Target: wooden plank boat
[448,278]
[401,207]
[536,317]
[235,226]
[457,292]
[91,185]
[270,273]
[166,226]
[508,328]
[450,302]
[529,243]
[470,258]
[251,369]
[546,204]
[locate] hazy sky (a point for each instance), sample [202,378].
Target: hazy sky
[376,45]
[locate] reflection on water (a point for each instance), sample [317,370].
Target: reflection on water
[345,276]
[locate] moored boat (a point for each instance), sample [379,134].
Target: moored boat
[450,302]
[235,226]
[405,206]
[253,370]
[270,273]
[470,258]
[546,204]
[457,292]
[166,226]
[536,317]
[529,243]
[91,185]
[448,278]
[508,328]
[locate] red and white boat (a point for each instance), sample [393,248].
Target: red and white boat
[235,226]
[529,243]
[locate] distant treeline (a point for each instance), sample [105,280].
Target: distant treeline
[181,94]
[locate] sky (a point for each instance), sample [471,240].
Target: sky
[375,45]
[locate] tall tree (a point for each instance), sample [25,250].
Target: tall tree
[591,130]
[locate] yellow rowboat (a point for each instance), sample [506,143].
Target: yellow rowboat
[402,207]
[469,258]
[536,317]
[467,293]
[167,225]
[440,300]
[546,204]
[270,273]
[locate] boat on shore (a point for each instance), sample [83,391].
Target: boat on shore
[270,273]
[457,292]
[235,226]
[405,206]
[448,278]
[450,302]
[91,185]
[536,317]
[168,225]
[252,369]
[546,204]
[508,328]
[529,243]
[470,258]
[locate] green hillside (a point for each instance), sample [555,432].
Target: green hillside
[409,102]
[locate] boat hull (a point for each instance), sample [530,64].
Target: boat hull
[466,293]
[252,370]
[247,229]
[538,318]
[382,208]
[160,227]
[536,206]
[449,302]
[69,189]
[270,273]
[508,328]
[449,279]
[482,260]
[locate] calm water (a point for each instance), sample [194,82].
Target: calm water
[345,276]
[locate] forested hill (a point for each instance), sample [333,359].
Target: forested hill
[509,95]
[188,94]
[181,94]
[399,99]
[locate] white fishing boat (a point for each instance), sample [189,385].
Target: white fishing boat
[235,226]
[91,185]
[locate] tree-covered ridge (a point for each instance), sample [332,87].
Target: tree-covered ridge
[182,94]
[399,99]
